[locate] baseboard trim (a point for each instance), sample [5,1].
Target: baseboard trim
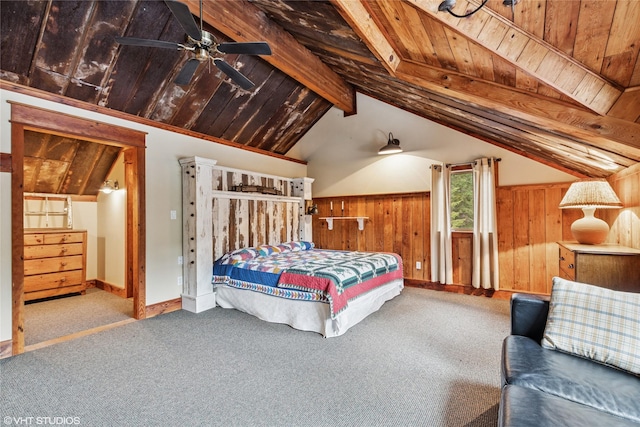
[164,307]
[199,303]
[112,289]
[458,289]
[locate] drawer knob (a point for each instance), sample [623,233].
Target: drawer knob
[64,279]
[63,264]
[561,258]
[571,266]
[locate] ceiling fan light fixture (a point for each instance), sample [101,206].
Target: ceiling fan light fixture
[201,54]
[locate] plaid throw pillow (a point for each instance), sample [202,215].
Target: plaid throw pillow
[594,323]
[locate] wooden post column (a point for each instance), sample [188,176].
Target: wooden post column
[302,189]
[197,234]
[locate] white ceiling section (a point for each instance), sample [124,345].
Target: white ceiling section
[342,153]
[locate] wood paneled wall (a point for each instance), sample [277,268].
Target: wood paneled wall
[625,222]
[397,223]
[529,225]
[462,257]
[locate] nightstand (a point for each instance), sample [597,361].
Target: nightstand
[610,266]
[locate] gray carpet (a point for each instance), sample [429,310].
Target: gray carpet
[426,358]
[45,320]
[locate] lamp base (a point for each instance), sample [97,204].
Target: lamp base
[590,230]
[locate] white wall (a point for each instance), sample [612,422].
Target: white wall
[163,192]
[86,218]
[342,153]
[111,232]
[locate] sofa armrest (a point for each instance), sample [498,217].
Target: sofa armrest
[529,315]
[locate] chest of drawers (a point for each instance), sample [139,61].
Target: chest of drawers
[610,266]
[54,262]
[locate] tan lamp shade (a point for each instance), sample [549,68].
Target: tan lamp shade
[590,194]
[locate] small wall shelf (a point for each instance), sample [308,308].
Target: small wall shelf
[359,219]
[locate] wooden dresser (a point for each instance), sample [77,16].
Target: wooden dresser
[55,262]
[610,266]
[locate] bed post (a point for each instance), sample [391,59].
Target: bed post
[197,234]
[302,189]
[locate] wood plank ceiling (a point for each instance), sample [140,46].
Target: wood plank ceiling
[554,80]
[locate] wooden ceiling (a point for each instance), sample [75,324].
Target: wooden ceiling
[554,80]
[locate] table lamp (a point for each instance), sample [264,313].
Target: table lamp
[590,194]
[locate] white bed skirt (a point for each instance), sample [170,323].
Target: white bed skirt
[307,315]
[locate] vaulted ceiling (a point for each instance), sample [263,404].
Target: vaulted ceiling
[554,80]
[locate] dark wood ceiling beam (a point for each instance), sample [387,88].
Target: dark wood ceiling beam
[617,135]
[528,53]
[360,19]
[243,22]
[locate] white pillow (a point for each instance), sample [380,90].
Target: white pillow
[595,323]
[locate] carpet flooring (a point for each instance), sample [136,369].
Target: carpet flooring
[45,320]
[426,358]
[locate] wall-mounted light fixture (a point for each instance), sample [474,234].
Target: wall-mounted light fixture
[590,194]
[393,146]
[108,186]
[312,209]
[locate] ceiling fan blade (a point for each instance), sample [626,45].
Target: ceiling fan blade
[251,48]
[134,41]
[233,74]
[183,15]
[185,75]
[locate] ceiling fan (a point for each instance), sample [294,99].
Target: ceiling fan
[203,45]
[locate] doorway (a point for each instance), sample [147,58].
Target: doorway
[25,117]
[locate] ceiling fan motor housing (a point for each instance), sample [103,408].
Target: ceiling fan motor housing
[206,39]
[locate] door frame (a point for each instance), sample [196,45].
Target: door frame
[27,117]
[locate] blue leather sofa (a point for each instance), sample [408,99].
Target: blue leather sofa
[543,387]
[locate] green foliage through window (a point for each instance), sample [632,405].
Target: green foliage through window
[462,200]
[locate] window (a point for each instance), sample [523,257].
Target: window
[461,200]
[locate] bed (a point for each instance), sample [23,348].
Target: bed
[310,289]
[252,252]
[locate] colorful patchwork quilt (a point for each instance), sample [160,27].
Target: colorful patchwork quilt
[298,271]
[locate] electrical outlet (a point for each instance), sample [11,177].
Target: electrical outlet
[174,215]
[180,260]
[418,265]
[179,280]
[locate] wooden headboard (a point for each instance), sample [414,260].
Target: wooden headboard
[242,219]
[217,219]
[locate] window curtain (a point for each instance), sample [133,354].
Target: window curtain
[485,236]
[441,258]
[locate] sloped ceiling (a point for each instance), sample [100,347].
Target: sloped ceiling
[557,81]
